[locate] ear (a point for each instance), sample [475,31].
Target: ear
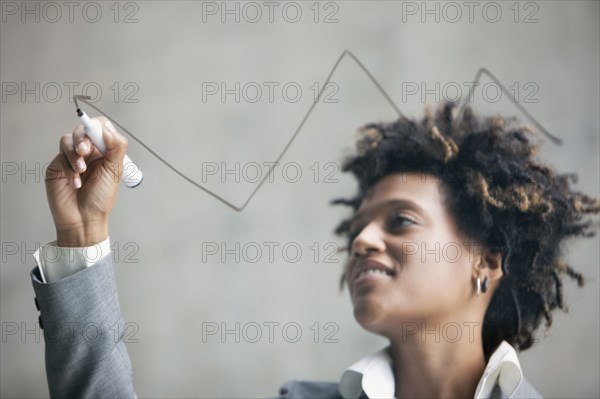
[489,264]
[494,264]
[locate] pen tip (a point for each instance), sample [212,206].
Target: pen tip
[79,112]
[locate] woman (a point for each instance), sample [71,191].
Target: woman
[455,246]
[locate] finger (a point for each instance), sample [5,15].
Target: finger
[68,149]
[116,143]
[85,148]
[82,143]
[82,147]
[59,169]
[70,176]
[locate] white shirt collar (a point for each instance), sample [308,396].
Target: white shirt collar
[373,375]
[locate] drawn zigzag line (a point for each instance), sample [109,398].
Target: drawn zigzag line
[348,53]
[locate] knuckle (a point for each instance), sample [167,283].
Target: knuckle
[56,169]
[52,169]
[78,136]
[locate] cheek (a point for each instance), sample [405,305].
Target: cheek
[416,285]
[429,285]
[437,257]
[423,295]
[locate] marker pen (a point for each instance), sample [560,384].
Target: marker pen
[132,175]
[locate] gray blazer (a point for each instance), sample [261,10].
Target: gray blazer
[85,353]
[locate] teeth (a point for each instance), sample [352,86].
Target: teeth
[371,271]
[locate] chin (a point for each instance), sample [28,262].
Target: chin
[370,315]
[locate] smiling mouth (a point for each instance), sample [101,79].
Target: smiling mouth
[371,268]
[370,272]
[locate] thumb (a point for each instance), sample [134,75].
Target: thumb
[116,143]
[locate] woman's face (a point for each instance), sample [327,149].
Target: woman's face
[403,225]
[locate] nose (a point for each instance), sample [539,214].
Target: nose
[369,240]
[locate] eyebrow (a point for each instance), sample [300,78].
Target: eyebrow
[397,202]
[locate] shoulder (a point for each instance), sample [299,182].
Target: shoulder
[309,389]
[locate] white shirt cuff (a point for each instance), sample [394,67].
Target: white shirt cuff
[59,262]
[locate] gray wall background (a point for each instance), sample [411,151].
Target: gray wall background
[167,54]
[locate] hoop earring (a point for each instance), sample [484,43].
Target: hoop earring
[484,285]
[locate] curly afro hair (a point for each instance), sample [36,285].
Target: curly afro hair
[499,195]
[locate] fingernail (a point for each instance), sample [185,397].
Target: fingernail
[109,126]
[81,164]
[82,147]
[77,182]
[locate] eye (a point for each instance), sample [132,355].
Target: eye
[398,220]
